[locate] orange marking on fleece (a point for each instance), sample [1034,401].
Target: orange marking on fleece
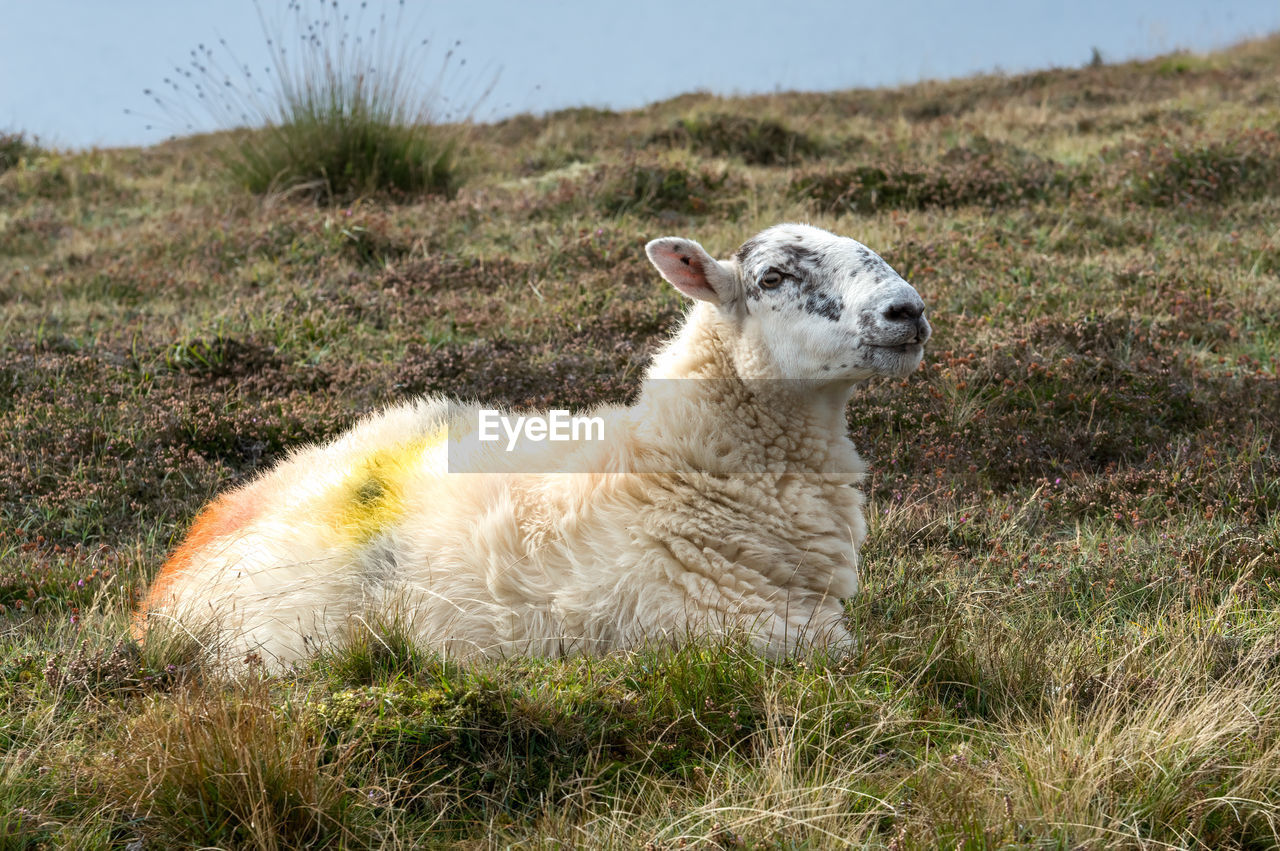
[224,516]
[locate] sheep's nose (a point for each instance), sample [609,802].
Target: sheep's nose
[910,313]
[904,311]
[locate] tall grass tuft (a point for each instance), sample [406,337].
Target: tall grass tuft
[13,147]
[341,110]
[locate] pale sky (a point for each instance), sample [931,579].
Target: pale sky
[70,68]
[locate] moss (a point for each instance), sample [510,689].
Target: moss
[522,737]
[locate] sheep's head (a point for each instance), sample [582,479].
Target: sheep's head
[804,304]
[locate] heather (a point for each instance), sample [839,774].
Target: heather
[1069,626]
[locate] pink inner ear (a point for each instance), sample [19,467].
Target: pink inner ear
[686,272]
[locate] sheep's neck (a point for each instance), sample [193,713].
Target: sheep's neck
[695,388]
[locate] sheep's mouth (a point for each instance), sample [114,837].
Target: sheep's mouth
[900,348]
[900,359]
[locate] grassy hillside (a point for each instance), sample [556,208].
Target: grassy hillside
[1070,632]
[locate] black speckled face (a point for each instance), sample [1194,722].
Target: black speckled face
[800,275]
[827,306]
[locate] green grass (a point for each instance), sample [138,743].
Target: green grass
[338,155]
[1068,630]
[339,114]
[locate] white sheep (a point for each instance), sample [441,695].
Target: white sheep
[724,498]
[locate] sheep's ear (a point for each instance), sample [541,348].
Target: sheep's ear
[691,270]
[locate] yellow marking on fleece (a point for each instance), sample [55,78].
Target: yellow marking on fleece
[372,497]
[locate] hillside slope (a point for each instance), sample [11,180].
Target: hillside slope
[1070,622]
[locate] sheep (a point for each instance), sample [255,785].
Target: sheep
[724,498]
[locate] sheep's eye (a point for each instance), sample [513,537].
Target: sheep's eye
[771,280]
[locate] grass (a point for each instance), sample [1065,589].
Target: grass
[1068,631]
[339,113]
[13,148]
[757,141]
